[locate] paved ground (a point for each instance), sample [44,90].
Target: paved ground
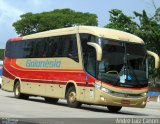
[36,107]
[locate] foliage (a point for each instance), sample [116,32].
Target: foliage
[1,54]
[120,21]
[59,18]
[149,31]
[157,15]
[147,28]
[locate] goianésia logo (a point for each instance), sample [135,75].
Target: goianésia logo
[43,64]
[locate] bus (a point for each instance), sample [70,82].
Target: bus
[1,64]
[82,64]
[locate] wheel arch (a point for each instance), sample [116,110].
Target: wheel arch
[69,84]
[20,95]
[16,80]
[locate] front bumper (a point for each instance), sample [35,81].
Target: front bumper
[103,98]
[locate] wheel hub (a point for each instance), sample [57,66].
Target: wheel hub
[17,90]
[72,97]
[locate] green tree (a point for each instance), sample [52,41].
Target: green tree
[147,28]
[157,15]
[59,18]
[149,31]
[1,54]
[120,21]
[157,11]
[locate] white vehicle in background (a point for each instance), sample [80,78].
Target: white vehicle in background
[1,64]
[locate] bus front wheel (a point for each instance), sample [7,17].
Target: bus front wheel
[71,98]
[17,92]
[114,109]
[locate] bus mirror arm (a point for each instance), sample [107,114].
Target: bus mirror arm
[98,50]
[156,57]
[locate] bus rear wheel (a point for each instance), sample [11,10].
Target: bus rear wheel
[17,92]
[51,100]
[71,98]
[114,109]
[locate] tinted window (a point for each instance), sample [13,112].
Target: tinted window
[59,46]
[90,65]
[52,44]
[39,48]
[136,49]
[70,48]
[89,53]
[86,38]
[15,49]
[8,50]
[29,49]
[63,46]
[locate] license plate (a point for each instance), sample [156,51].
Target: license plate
[126,102]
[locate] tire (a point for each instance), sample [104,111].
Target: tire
[114,109]
[71,98]
[17,92]
[51,100]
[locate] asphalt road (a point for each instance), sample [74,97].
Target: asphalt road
[37,109]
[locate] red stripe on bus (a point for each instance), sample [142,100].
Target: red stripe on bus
[7,74]
[16,39]
[56,82]
[44,81]
[46,75]
[85,85]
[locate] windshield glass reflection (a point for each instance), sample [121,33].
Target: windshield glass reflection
[123,64]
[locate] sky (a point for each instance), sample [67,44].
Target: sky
[10,10]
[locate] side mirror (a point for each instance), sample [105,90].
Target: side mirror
[156,57]
[98,50]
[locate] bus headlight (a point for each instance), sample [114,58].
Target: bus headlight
[143,94]
[97,86]
[105,90]
[102,88]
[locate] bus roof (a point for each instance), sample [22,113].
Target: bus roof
[101,32]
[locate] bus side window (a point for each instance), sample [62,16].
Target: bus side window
[26,49]
[69,47]
[40,48]
[91,61]
[8,49]
[73,49]
[52,47]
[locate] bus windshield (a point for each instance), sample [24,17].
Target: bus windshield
[123,64]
